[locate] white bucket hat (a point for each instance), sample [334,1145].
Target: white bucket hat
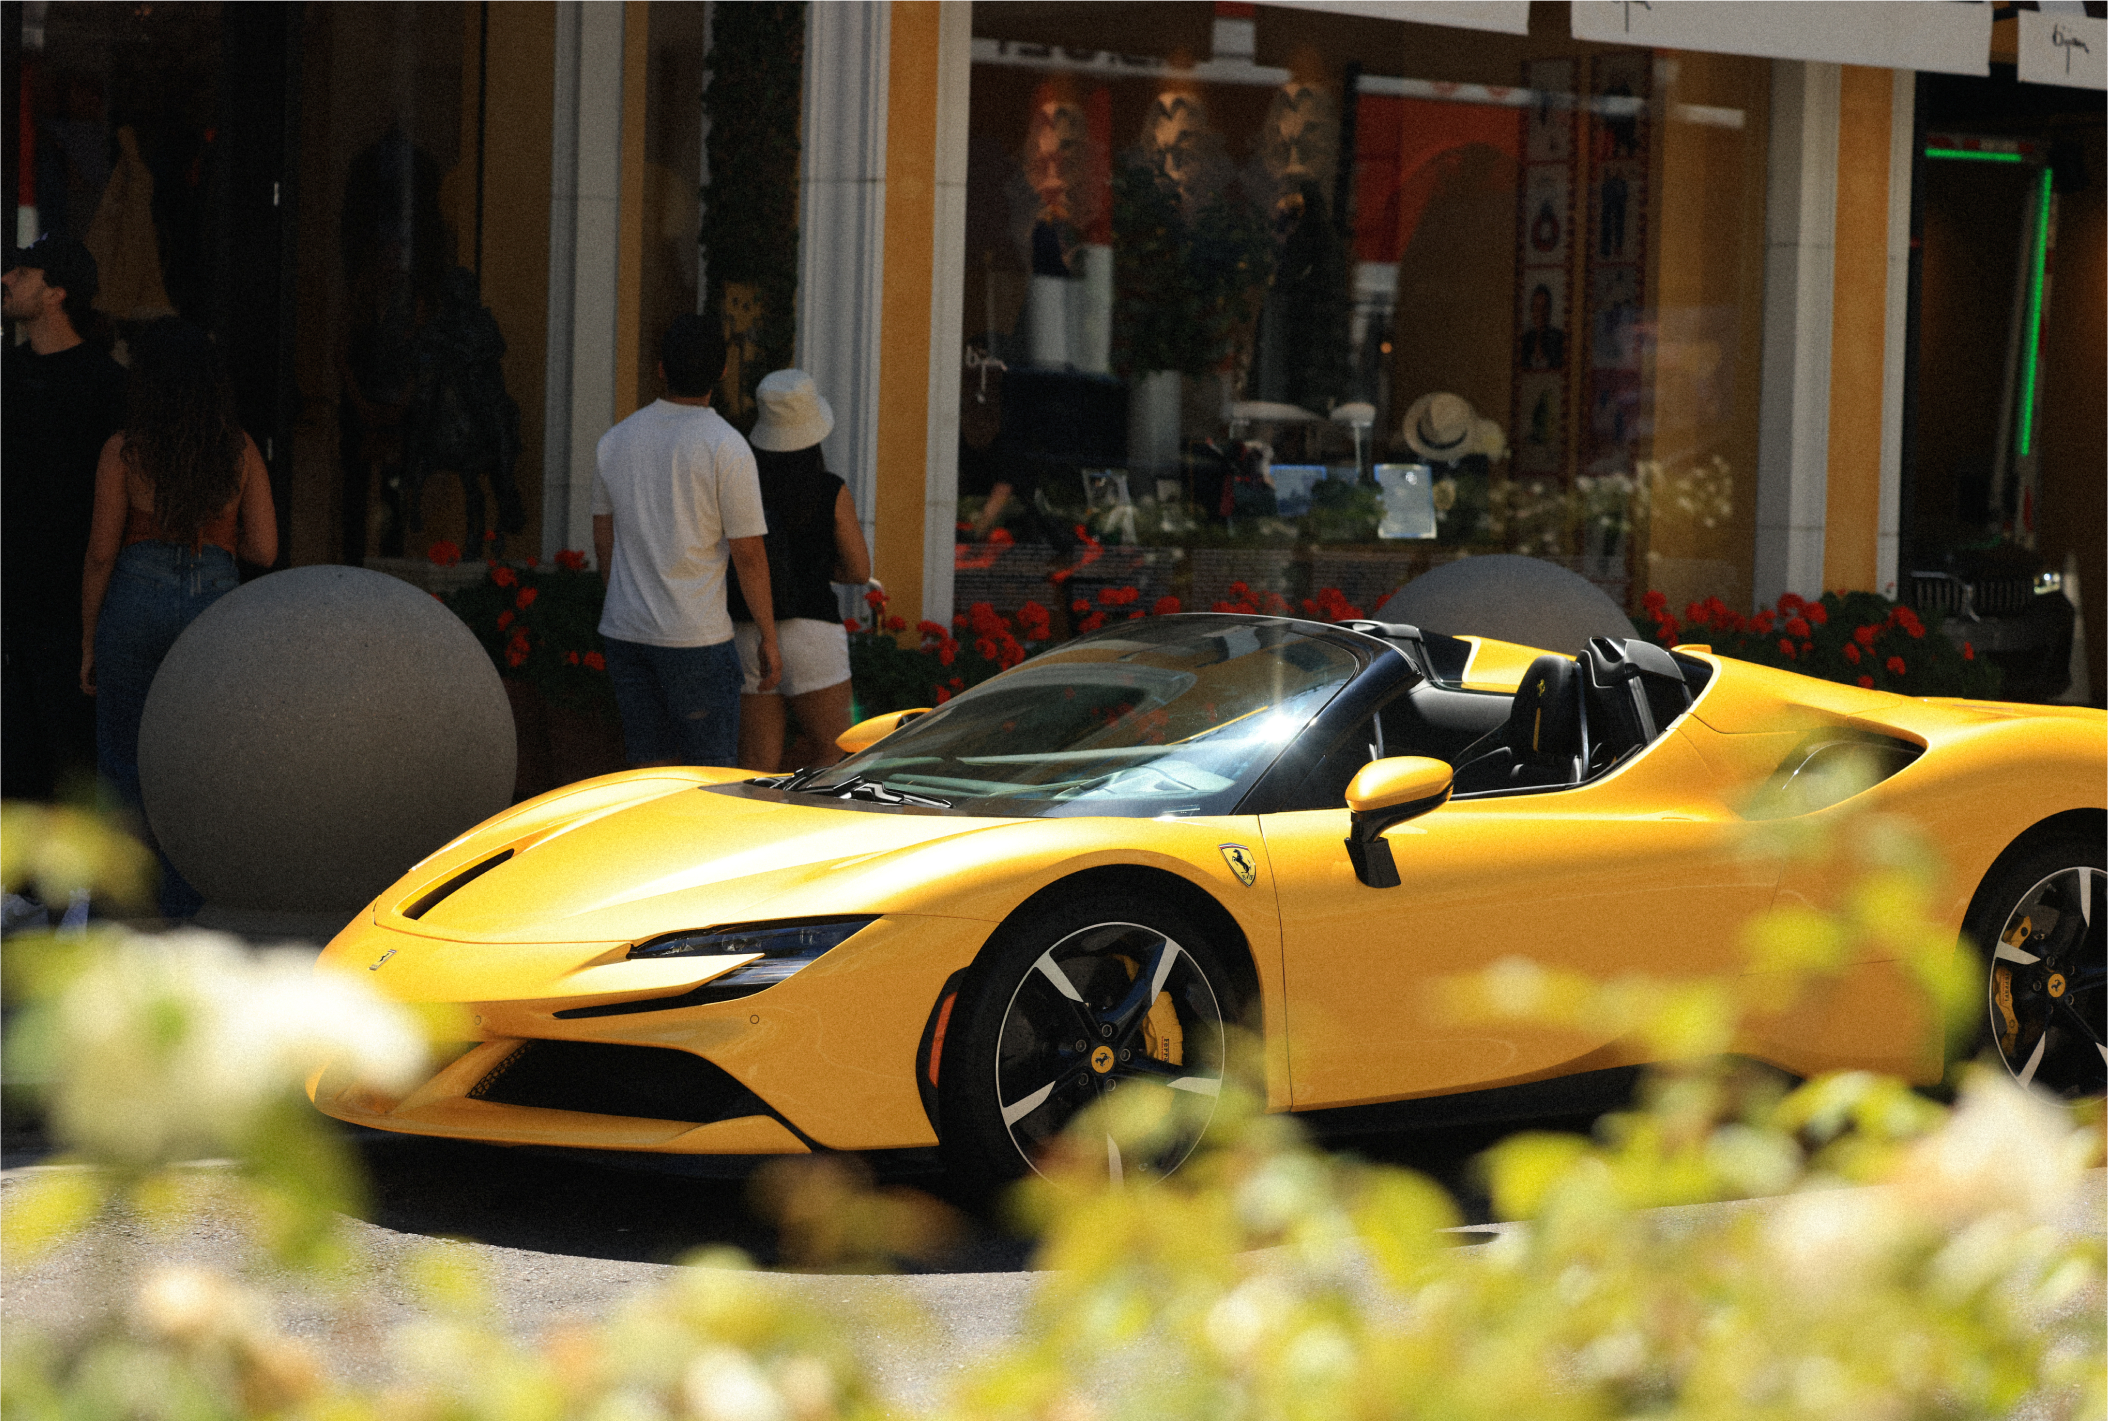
[793,413]
[1443,428]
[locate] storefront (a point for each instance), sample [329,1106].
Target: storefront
[1213,301]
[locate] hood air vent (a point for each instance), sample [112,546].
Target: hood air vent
[459,881]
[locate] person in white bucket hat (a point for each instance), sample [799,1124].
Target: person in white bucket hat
[813,541]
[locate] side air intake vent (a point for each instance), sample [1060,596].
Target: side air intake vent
[459,881]
[643,1082]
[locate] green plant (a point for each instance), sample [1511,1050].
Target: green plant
[541,626]
[1857,638]
[750,204]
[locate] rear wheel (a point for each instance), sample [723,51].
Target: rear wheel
[2041,919]
[1111,999]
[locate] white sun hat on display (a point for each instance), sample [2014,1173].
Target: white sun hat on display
[794,415]
[1443,428]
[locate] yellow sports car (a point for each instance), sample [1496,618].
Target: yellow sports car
[1069,880]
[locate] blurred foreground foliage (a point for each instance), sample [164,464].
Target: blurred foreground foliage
[1909,1259]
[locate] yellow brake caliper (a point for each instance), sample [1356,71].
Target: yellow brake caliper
[1162,1037]
[2002,987]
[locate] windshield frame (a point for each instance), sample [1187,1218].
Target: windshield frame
[1361,651]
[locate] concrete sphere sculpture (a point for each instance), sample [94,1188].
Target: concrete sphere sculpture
[1509,598]
[315,733]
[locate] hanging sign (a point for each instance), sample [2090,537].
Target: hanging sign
[1506,17]
[2063,49]
[1887,34]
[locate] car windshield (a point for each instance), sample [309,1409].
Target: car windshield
[1173,715]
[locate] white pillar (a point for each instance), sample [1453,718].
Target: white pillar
[947,312]
[1800,222]
[585,177]
[1902,134]
[841,231]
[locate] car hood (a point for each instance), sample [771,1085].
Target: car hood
[696,857]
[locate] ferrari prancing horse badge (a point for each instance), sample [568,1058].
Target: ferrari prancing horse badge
[1241,863]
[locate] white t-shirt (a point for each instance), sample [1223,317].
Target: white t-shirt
[679,482]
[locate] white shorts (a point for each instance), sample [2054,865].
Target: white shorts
[815,655]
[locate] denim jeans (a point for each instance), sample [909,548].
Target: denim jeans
[156,591]
[679,704]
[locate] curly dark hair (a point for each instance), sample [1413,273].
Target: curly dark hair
[180,432]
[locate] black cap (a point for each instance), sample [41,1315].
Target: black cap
[64,261]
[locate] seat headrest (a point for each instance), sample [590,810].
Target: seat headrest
[1545,724]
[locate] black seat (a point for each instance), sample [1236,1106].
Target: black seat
[1634,690]
[1544,741]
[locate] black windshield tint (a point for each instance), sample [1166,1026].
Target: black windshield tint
[1172,715]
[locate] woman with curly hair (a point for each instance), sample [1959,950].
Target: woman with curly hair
[180,492]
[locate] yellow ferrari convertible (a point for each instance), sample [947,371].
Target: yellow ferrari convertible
[1071,879]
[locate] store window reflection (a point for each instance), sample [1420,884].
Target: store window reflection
[410,340]
[1328,300]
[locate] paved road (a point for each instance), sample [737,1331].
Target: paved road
[560,1236]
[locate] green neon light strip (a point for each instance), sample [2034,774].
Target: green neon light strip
[1974,156]
[2034,321]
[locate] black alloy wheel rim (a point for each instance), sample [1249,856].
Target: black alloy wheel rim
[1111,1007]
[2048,989]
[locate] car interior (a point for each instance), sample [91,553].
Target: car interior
[1573,718]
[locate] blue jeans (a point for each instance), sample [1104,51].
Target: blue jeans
[679,704]
[156,591]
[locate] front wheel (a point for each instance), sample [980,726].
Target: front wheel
[2041,919]
[1107,995]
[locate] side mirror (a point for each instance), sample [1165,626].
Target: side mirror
[866,733]
[1388,792]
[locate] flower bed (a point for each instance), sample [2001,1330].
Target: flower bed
[1857,638]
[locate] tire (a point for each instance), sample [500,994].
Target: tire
[2041,922]
[1054,1018]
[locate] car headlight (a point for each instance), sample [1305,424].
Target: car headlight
[2048,582]
[784,948]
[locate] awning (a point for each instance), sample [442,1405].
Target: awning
[1507,17]
[2057,47]
[1945,38]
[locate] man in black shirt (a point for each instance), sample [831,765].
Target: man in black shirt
[61,398]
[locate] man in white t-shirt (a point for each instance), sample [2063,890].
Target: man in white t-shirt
[675,500]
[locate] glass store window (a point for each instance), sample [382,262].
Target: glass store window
[1276,306]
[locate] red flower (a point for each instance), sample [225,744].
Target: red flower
[1764,622]
[946,650]
[1668,631]
[930,630]
[1866,634]
[571,560]
[958,683]
[1790,603]
[1968,651]
[444,554]
[1091,623]
[534,562]
[1694,614]
[570,658]
[896,624]
[1079,606]
[503,575]
[1852,652]
[596,662]
[874,598]
[1867,682]
[526,598]
[1655,601]
[942,695]
[1239,592]
[851,624]
[1796,626]
[1000,537]
[1905,618]
[1818,613]
[504,620]
[1896,666]
[984,648]
[1166,606]
[1786,648]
